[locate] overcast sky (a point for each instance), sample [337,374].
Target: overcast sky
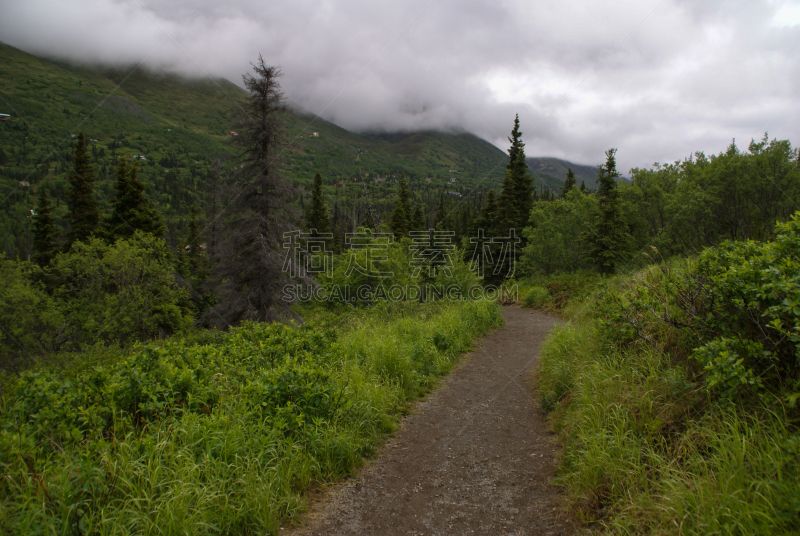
[656,79]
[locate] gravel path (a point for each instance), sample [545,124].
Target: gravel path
[476,457]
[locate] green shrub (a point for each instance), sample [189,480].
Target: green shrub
[119,293]
[735,311]
[30,323]
[676,399]
[219,433]
[535,297]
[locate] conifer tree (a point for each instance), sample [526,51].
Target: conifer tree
[610,240]
[520,196]
[506,214]
[131,210]
[45,231]
[400,221]
[488,219]
[84,214]
[583,186]
[488,226]
[250,258]
[569,182]
[318,220]
[418,220]
[440,219]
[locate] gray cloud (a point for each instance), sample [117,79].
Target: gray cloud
[656,79]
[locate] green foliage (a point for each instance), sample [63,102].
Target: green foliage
[318,218]
[734,311]
[702,201]
[377,268]
[535,297]
[569,182]
[609,238]
[552,245]
[84,213]
[131,210]
[216,434]
[119,293]
[401,215]
[45,231]
[30,322]
[677,397]
[752,292]
[517,195]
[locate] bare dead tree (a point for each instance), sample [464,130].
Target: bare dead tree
[249,254]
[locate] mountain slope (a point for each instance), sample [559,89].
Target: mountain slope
[180,126]
[553,171]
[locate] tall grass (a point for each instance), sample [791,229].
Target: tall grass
[649,451]
[221,434]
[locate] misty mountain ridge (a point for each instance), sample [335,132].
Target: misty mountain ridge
[177,127]
[204,107]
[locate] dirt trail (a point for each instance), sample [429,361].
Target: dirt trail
[476,457]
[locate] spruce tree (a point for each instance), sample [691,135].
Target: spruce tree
[488,219]
[488,227]
[249,266]
[418,220]
[520,195]
[440,219]
[45,231]
[84,214]
[131,210]
[569,182]
[610,240]
[400,221]
[318,220]
[506,213]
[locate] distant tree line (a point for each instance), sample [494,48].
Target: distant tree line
[668,210]
[112,278]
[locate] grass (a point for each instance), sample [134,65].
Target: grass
[648,450]
[565,294]
[221,433]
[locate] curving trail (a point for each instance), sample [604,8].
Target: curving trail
[475,457]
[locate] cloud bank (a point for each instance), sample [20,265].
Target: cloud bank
[656,79]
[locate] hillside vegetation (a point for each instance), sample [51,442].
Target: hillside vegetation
[218,433]
[181,126]
[674,386]
[675,392]
[153,378]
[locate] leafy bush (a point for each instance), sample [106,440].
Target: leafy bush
[554,236]
[30,322]
[735,312]
[220,433]
[377,271]
[535,297]
[120,293]
[677,399]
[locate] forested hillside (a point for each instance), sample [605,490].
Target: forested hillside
[176,128]
[213,304]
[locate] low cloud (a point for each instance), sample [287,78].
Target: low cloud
[656,79]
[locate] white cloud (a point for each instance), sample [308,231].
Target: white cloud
[657,79]
[787,15]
